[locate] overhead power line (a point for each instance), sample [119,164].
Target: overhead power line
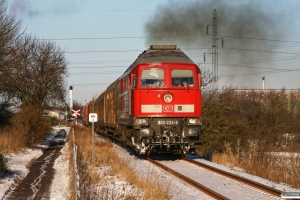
[262,39]
[142,37]
[242,64]
[93,73]
[96,63]
[100,67]
[89,84]
[224,76]
[261,50]
[136,10]
[76,11]
[258,49]
[262,13]
[97,38]
[264,72]
[115,51]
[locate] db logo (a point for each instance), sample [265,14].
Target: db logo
[168,108]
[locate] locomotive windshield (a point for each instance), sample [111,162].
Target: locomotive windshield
[152,77]
[182,78]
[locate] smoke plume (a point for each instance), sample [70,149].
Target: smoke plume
[185,24]
[55,7]
[21,7]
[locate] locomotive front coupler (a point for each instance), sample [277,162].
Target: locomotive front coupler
[168,133]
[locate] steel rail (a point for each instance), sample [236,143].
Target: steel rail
[254,184]
[189,181]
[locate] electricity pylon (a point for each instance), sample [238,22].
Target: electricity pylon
[214,24]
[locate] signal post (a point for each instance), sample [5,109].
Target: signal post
[93,117]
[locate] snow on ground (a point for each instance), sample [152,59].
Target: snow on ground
[179,189]
[242,173]
[18,164]
[113,187]
[59,187]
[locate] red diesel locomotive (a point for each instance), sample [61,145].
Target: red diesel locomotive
[155,106]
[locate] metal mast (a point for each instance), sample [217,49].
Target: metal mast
[215,47]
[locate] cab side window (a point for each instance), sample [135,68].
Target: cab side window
[152,77]
[182,78]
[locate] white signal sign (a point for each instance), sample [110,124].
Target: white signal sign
[93,117]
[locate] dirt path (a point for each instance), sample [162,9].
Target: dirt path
[36,185]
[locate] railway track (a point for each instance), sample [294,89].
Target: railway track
[188,180]
[273,193]
[265,189]
[254,184]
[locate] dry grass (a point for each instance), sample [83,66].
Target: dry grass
[227,158]
[109,168]
[277,167]
[11,141]
[70,144]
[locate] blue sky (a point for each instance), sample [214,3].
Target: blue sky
[103,37]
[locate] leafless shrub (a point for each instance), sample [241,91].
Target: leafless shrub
[256,125]
[11,141]
[30,125]
[221,120]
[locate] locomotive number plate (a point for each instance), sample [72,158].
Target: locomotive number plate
[167,122]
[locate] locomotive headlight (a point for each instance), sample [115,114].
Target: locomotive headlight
[195,121]
[146,132]
[141,121]
[192,132]
[168,98]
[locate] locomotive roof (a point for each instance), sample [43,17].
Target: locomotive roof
[155,54]
[161,53]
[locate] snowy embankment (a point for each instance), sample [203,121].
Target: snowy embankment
[59,188]
[20,162]
[180,190]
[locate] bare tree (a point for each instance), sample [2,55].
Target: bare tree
[32,73]
[206,77]
[35,72]
[9,31]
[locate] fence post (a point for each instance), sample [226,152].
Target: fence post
[76,175]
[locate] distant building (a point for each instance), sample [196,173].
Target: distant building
[14,109]
[290,97]
[287,92]
[54,113]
